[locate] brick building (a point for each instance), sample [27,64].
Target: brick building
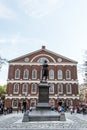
[25,73]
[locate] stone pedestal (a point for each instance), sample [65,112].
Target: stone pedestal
[43,98]
[43,110]
[62,117]
[26,117]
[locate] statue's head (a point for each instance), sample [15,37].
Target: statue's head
[45,61]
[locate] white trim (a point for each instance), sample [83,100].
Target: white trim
[50,96]
[51,85]
[18,74]
[38,81]
[34,73]
[14,88]
[61,88]
[67,89]
[20,97]
[38,63]
[34,85]
[51,74]
[43,55]
[25,70]
[64,97]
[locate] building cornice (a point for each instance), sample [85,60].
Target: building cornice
[37,63]
[38,81]
[36,97]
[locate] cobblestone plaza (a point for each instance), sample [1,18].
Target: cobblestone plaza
[14,122]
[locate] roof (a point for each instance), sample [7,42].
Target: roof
[45,50]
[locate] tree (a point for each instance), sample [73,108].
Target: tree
[2,61]
[2,91]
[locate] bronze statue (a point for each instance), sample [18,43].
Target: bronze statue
[45,70]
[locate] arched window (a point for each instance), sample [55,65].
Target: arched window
[34,88]
[60,88]
[51,88]
[68,89]
[17,74]
[16,88]
[34,74]
[26,73]
[51,74]
[68,74]
[60,74]
[43,59]
[15,103]
[25,88]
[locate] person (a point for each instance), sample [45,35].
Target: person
[24,105]
[45,70]
[71,110]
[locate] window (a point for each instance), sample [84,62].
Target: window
[60,88]
[25,88]
[51,74]
[51,88]
[15,103]
[26,73]
[68,74]
[60,74]
[68,89]
[34,74]
[16,88]
[43,59]
[17,74]
[34,88]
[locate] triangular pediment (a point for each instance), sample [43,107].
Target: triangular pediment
[43,53]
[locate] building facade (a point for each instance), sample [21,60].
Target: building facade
[25,73]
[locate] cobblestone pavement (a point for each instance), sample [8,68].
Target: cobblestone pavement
[14,122]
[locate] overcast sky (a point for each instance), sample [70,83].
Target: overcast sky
[26,25]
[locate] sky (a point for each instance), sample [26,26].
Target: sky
[26,25]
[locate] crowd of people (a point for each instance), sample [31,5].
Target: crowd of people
[71,109]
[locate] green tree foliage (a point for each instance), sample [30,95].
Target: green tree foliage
[2,91]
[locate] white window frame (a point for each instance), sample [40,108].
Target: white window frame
[51,88]
[34,74]
[14,88]
[24,92]
[33,85]
[51,74]
[68,85]
[25,74]
[13,103]
[17,74]
[68,74]
[60,74]
[60,86]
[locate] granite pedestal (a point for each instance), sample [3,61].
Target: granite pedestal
[43,110]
